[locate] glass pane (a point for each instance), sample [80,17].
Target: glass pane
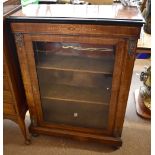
[75,82]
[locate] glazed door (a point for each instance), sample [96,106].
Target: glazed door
[75,80]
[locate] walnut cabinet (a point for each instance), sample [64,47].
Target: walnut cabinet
[77,72]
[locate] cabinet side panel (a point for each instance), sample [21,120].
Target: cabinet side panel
[126,76]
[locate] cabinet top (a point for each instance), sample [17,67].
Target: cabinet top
[68,13]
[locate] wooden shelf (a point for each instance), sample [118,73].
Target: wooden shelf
[72,78]
[75,94]
[78,64]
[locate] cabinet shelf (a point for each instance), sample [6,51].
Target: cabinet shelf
[73,78]
[75,94]
[78,64]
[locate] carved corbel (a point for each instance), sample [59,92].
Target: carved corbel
[132,45]
[19,39]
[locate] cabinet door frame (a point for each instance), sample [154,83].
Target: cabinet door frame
[28,69]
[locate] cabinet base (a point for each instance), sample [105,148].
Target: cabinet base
[112,141]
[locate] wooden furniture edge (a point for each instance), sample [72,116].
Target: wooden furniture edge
[76,135]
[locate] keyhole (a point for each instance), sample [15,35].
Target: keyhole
[75,114]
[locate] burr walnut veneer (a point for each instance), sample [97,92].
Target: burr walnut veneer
[76,63]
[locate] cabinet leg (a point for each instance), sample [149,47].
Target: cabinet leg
[23,129]
[28,142]
[116,147]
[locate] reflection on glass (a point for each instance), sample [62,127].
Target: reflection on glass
[75,82]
